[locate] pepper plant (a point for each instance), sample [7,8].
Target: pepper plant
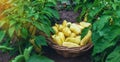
[104,16]
[23,21]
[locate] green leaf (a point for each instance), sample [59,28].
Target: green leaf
[84,32]
[95,10]
[2,35]
[36,16]
[46,29]
[65,1]
[49,4]
[19,58]
[52,1]
[45,12]
[27,52]
[118,13]
[11,31]
[82,14]
[84,1]
[77,8]
[114,6]
[38,58]
[12,22]
[77,1]
[43,27]
[24,32]
[44,19]
[5,48]
[38,25]
[94,37]
[108,13]
[98,25]
[40,40]
[51,30]
[114,56]
[2,23]
[107,40]
[53,12]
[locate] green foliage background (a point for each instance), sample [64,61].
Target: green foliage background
[105,17]
[15,34]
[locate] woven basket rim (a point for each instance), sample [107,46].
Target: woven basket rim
[63,48]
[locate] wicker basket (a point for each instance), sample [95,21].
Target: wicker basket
[69,52]
[65,51]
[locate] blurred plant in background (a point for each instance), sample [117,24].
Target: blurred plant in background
[22,21]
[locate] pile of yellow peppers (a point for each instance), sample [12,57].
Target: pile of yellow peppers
[69,34]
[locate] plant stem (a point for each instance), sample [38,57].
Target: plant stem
[20,51]
[7,48]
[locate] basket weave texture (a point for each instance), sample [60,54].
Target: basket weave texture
[69,52]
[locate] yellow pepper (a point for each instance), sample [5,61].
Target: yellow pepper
[78,37]
[80,27]
[57,40]
[62,37]
[86,39]
[75,28]
[60,28]
[69,23]
[64,24]
[70,44]
[66,31]
[57,25]
[85,24]
[73,40]
[72,35]
[55,29]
